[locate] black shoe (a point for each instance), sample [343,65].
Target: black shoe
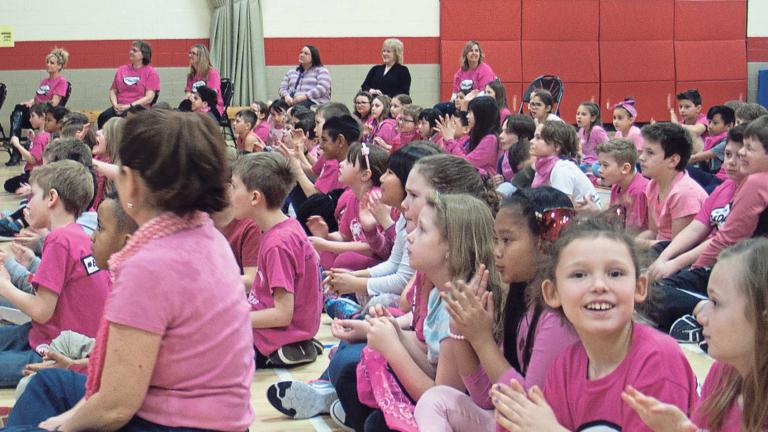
[15,158]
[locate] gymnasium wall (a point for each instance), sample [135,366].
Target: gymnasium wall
[349,33]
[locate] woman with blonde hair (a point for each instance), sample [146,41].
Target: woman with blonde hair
[390,78]
[473,74]
[202,73]
[51,90]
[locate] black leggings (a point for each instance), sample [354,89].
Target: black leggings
[19,120]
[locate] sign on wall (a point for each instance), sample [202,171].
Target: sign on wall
[6,36]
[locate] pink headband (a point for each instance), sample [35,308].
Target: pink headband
[629,105]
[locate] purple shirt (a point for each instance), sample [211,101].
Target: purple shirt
[634,201]
[596,137]
[132,84]
[212,80]
[315,83]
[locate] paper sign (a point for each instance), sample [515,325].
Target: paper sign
[6,37]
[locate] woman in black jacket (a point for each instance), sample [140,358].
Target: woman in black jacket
[390,78]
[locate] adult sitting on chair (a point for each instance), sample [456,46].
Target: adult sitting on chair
[202,73]
[390,78]
[51,89]
[310,83]
[135,83]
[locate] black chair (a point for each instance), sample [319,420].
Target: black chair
[227,90]
[154,99]
[3,95]
[65,99]
[552,83]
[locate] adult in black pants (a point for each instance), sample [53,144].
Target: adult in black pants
[52,89]
[390,78]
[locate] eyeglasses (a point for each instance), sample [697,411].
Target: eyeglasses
[553,221]
[402,120]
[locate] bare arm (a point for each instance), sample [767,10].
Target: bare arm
[39,307]
[278,316]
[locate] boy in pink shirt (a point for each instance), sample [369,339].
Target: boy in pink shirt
[673,197]
[618,158]
[285,299]
[705,166]
[691,117]
[71,290]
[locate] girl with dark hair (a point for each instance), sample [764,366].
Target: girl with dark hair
[362,109]
[532,336]
[135,83]
[515,168]
[383,126]
[591,135]
[482,148]
[496,90]
[309,83]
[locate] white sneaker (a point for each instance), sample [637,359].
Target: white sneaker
[302,400]
[339,416]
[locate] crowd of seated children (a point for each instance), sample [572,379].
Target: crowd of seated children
[705,166]
[515,166]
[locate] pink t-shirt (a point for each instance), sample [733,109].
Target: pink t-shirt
[683,199]
[710,388]
[551,336]
[37,149]
[484,156]
[596,137]
[503,114]
[287,260]
[635,202]
[49,88]
[634,135]
[262,130]
[716,208]
[478,77]
[132,84]
[276,134]
[186,288]
[711,141]
[68,269]
[212,80]
[506,169]
[386,130]
[654,365]
[328,179]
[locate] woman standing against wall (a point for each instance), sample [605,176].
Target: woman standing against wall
[390,78]
[310,83]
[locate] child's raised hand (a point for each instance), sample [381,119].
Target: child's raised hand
[517,410]
[365,216]
[445,127]
[317,226]
[350,330]
[23,254]
[380,211]
[471,315]
[658,416]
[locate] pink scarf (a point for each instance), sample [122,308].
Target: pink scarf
[162,226]
[544,167]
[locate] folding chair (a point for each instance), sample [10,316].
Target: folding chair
[3,95]
[227,90]
[552,83]
[65,99]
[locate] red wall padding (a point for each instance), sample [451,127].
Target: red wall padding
[711,60]
[633,20]
[514,95]
[485,20]
[716,92]
[622,61]
[572,61]
[504,57]
[651,97]
[450,51]
[561,20]
[576,93]
[700,20]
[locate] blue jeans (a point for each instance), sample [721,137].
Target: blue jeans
[15,353]
[345,354]
[54,391]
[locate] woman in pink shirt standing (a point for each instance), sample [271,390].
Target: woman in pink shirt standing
[174,348]
[135,83]
[51,89]
[202,73]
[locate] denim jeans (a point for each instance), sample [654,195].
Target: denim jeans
[15,353]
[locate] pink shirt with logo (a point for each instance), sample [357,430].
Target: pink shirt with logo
[716,208]
[683,199]
[68,269]
[186,288]
[212,80]
[287,260]
[49,88]
[635,202]
[328,179]
[596,137]
[479,77]
[634,135]
[654,365]
[37,149]
[132,84]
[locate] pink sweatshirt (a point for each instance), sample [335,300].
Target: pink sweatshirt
[749,202]
[484,157]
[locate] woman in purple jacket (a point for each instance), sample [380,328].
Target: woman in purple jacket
[310,83]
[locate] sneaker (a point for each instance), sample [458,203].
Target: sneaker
[300,400]
[319,348]
[339,416]
[686,330]
[294,354]
[341,308]
[9,228]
